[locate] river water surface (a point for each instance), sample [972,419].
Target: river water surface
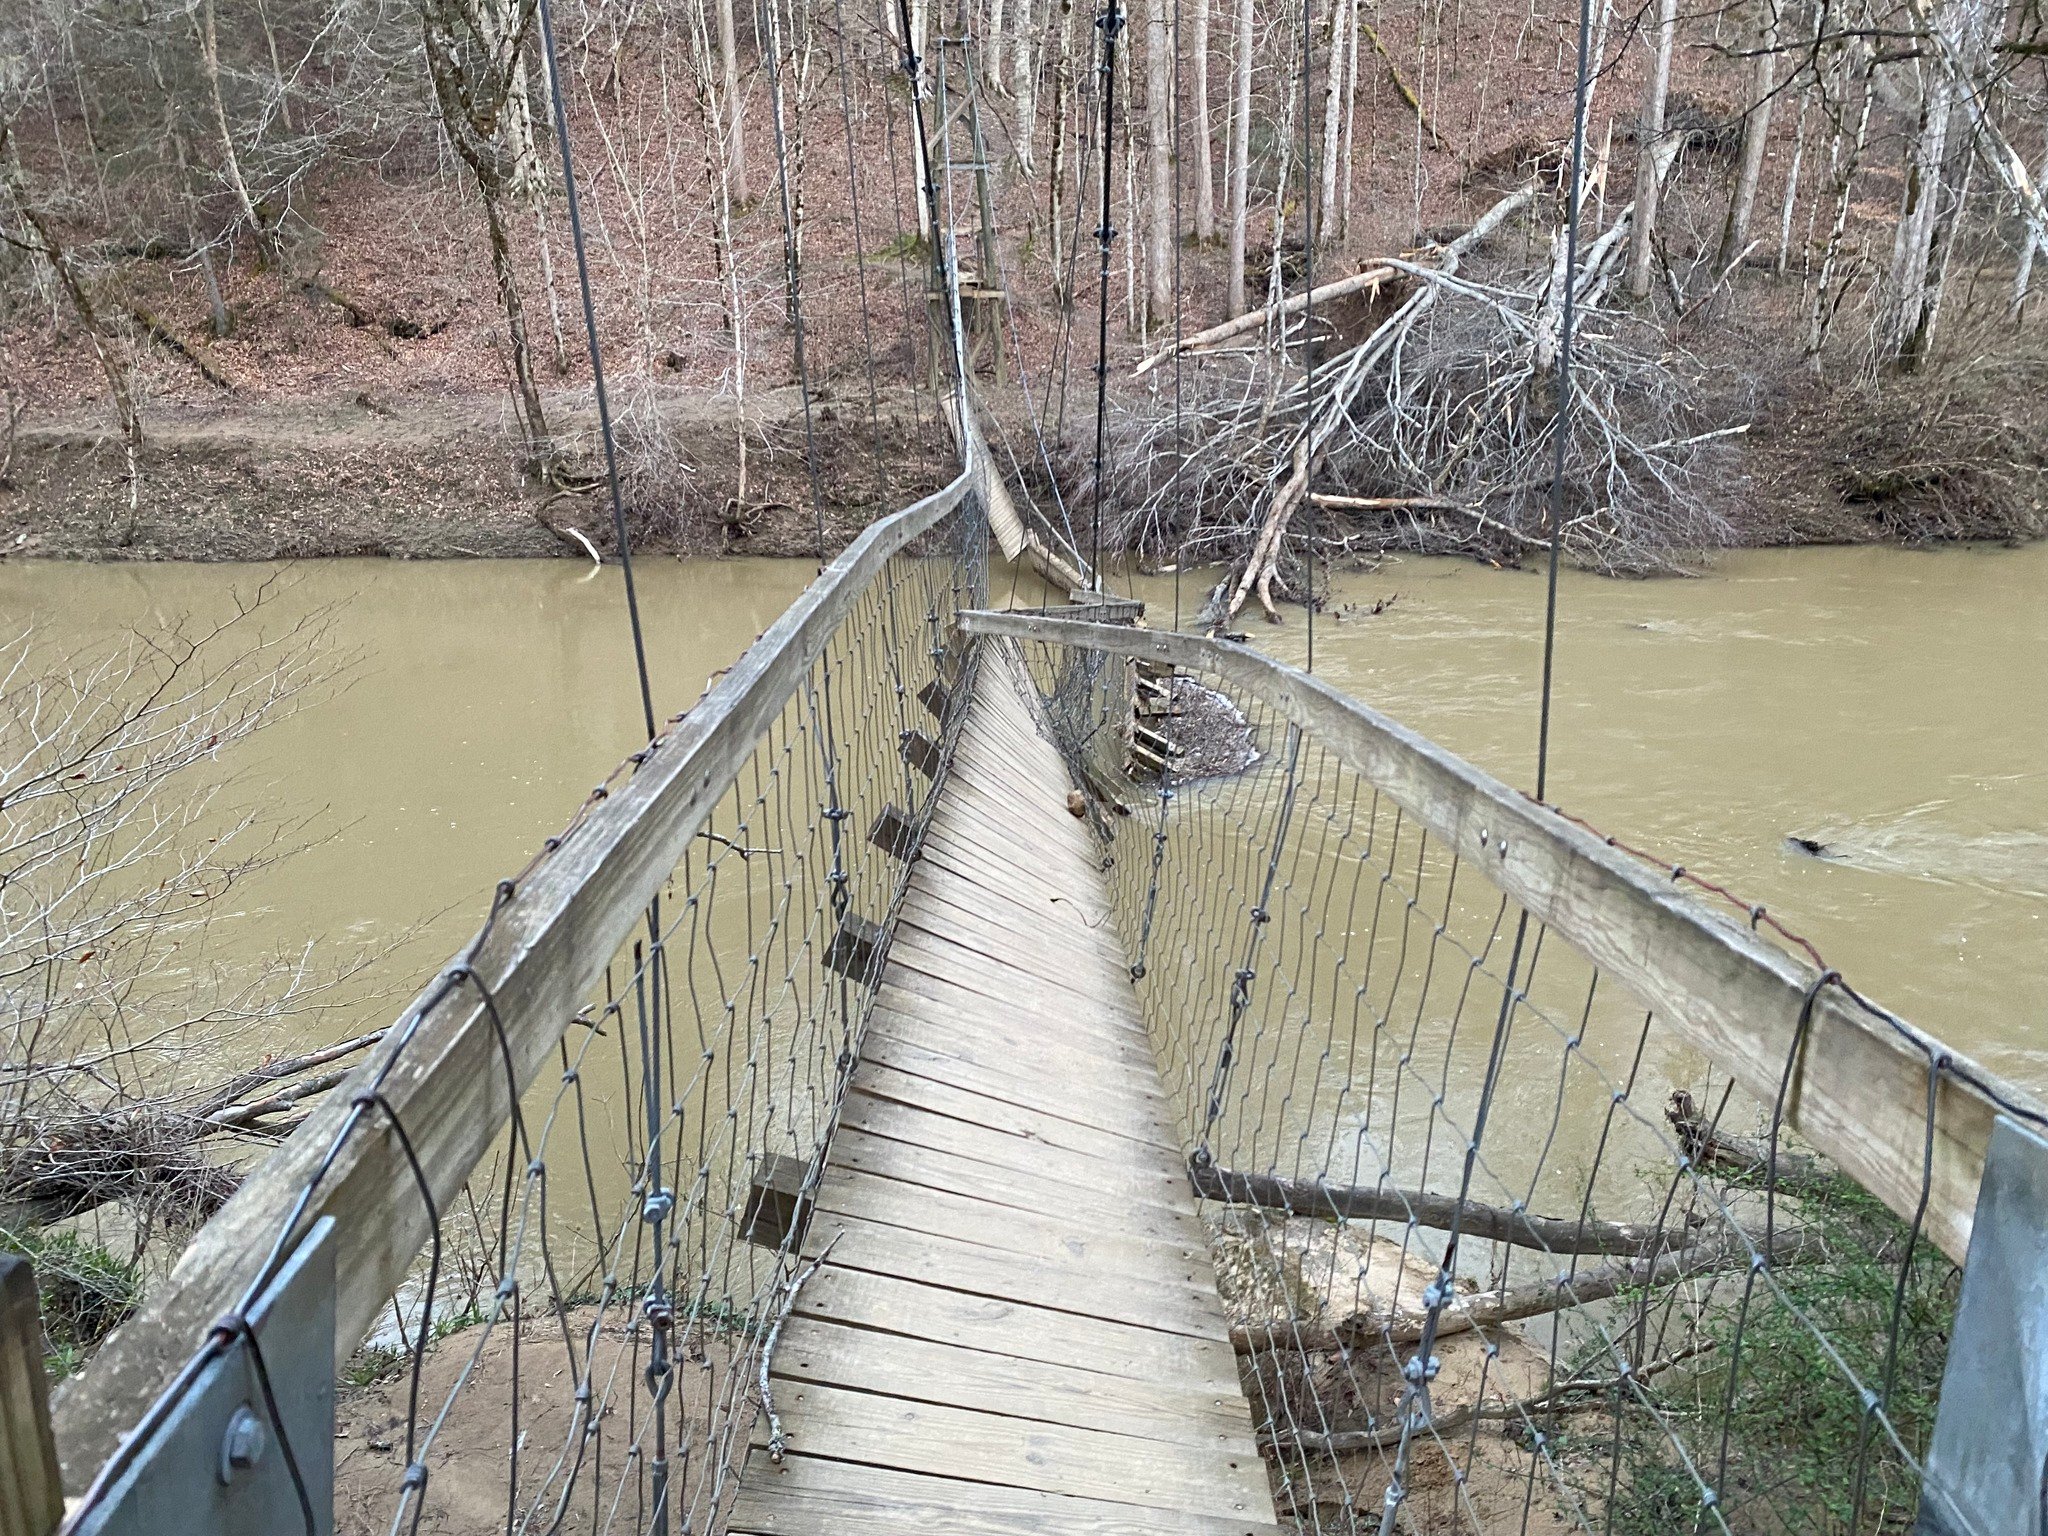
[1891,706]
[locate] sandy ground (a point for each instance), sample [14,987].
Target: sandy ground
[470,1469]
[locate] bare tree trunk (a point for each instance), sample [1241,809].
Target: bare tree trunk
[1160,228]
[1649,134]
[734,113]
[284,95]
[1333,124]
[475,58]
[1756,138]
[1205,166]
[1350,123]
[547,277]
[533,422]
[1846,160]
[209,60]
[1240,154]
[1062,93]
[1792,182]
[1024,82]
[1913,243]
[2030,243]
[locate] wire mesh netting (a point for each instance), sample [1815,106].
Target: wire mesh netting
[617,1273]
[579,1345]
[1503,1251]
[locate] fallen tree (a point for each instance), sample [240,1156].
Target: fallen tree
[1433,431]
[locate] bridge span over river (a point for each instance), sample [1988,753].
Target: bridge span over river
[1027,1071]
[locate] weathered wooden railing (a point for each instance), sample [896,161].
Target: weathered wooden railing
[685,1080]
[1395,996]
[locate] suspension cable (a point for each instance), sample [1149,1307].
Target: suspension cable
[1562,433]
[1111,22]
[604,410]
[1309,231]
[1179,400]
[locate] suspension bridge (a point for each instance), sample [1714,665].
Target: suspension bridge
[1001,1070]
[909,1097]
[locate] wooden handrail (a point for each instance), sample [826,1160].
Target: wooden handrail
[545,954]
[1861,1090]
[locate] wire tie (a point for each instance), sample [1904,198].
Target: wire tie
[415,1475]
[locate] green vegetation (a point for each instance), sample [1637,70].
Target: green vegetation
[86,1293]
[1804,1458]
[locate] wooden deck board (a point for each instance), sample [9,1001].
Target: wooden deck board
[1015,1326]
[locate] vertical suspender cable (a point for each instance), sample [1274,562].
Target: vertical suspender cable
[1414,1412]
[1111,22]
[1562,433]
[1179,244]
[1308,316]
[604,410]
[656,1200]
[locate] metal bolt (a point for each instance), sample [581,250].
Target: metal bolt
[242,1447]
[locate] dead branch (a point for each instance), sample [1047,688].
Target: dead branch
[1359,282]
[160,333]
[1573,1396]
[1798,1173]
[1491,1223]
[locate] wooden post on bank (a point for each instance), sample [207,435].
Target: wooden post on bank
[31,1490]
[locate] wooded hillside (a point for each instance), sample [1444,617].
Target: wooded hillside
[1804,270]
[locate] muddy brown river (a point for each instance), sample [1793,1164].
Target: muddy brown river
[1889,706]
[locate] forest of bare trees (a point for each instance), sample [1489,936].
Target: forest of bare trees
[1805,263]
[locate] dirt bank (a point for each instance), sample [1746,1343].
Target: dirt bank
[432,475]
[437,476]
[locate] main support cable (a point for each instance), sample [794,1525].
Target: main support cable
[1111,21]
[604,410]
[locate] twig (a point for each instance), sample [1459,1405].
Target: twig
[777,1441]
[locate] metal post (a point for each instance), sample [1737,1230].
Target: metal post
[1987,1465]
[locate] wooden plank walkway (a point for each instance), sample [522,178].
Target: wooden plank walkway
[1016,1329]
